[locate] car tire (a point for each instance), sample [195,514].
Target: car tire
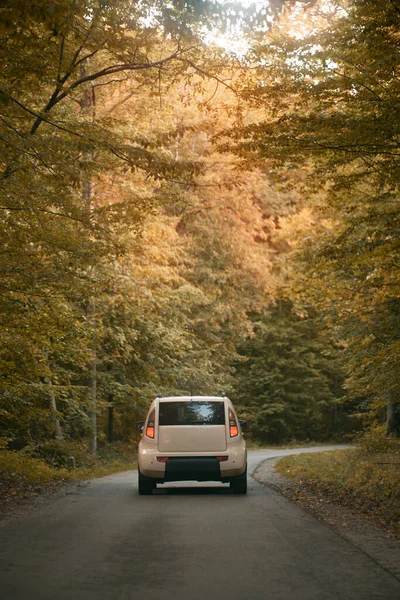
[146,485]
[239,484]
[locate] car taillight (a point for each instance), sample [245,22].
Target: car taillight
[234,431]
[150,430]
[162,459]
[222,458]
[233,426]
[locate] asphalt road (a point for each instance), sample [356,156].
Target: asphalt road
[105,542]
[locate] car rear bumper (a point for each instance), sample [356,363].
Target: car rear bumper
[193,468]
[197,468]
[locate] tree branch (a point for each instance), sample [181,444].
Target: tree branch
[90,55]
[109,82]
[46,211]
[111,70]
[209,75]
[81,47]
[396,8]
[60,58]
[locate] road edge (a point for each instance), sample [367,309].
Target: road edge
[360,531]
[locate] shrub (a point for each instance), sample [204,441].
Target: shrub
[57,452]
[15,466]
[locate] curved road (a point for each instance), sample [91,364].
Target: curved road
[104,542]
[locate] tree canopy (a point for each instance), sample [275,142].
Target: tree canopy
[329,106]
[176,218]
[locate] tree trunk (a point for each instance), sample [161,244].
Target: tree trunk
[391,428]
[334,418]
[110,420]
[87,104]
[92,379]
[92,392]
[53,408]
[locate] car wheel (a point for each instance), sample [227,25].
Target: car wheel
[146,484]
[239,484]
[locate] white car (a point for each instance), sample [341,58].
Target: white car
[192,438]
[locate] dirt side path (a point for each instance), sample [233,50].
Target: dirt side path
[371,537]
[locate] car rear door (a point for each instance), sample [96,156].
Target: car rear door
[192,426]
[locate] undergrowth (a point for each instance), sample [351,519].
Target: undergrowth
[23,476]
[366,477]
[257,445]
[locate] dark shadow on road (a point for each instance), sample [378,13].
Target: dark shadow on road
[193,491]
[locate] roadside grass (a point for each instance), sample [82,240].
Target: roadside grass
[365,478]
[256,445]
[24,476]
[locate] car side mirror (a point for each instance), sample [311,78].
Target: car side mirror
[243,424]
[140,425]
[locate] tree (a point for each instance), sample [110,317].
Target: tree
[330,104]
[55,244]
[87,157]
[288,378]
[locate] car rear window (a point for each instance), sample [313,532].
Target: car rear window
[192,413]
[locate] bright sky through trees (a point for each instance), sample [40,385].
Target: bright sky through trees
[234,39]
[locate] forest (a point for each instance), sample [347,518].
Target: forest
[198,197]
